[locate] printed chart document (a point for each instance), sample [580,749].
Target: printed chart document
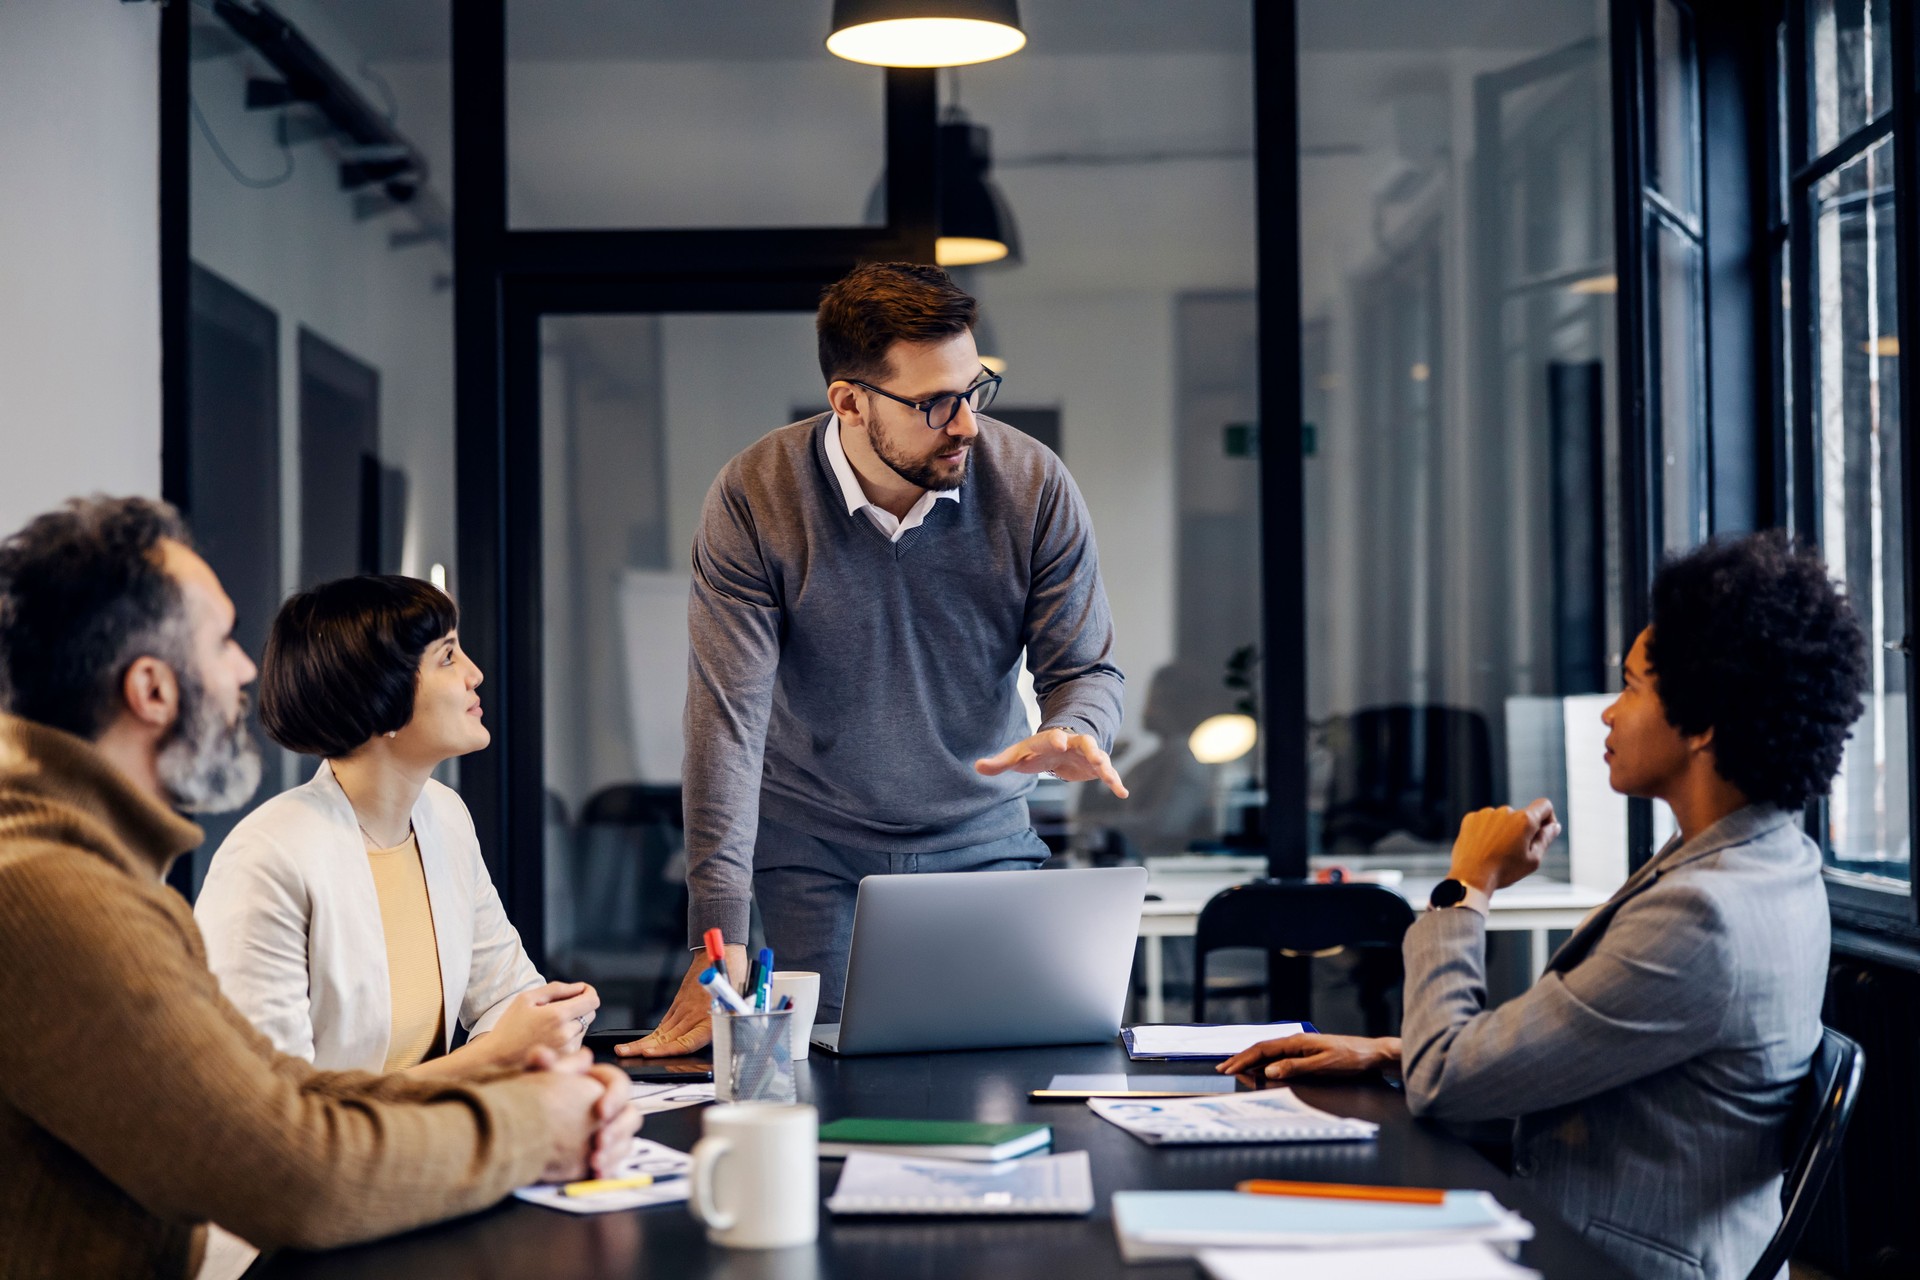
[1271,1115]
[1039,1185]
[1176,1041]
[668,1167]
[1179,1224]
[1429,1262]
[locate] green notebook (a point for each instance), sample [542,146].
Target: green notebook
[937,1139]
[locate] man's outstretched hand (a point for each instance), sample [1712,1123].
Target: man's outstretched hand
[1075,757]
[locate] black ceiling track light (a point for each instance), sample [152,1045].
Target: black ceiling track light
[376,152]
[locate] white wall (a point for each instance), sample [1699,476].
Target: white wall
[730,379]
[79,253]
[1107,360]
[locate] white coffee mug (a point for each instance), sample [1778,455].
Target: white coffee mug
[756,1176]
[804,987]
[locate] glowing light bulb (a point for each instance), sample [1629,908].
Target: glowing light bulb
[1223,739]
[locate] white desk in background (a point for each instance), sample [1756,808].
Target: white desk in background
[1179,887]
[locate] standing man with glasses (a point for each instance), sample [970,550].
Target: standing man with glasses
[866,585]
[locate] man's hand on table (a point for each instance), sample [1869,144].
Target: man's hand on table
[1499,847]
[1313,1054]
[590,1114]
[688,1025]
[1073,757]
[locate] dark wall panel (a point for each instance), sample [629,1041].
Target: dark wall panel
[340,475]
[232,496]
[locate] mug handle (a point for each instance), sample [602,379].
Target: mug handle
[700,1198]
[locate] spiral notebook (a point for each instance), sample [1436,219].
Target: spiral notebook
[1271,1115]
[1056,1185]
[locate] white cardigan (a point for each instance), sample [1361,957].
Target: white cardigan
[292,923]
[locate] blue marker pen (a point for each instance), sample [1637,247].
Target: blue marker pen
[720,989]
[764,996]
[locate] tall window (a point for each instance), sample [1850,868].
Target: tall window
[1674,267]
[1838,131]
[1463,467]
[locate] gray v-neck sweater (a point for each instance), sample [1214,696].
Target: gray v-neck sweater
[843,684]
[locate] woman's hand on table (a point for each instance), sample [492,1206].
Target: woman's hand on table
[1313,1054]
[554,1016]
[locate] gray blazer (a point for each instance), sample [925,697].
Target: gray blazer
[1651,1069]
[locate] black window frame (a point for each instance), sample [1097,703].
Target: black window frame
[1883,914]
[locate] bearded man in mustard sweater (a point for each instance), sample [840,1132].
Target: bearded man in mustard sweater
[136,1104]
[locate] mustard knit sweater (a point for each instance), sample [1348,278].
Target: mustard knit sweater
[136,1104]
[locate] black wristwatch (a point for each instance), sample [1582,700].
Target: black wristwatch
[1448,893]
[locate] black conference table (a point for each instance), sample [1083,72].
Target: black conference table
[517,1239]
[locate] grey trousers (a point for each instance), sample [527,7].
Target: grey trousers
[806,888]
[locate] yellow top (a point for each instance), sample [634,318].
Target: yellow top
[413,955]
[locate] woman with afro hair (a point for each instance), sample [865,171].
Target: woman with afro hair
[1650,1072]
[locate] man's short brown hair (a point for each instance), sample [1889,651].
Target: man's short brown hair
[882,303]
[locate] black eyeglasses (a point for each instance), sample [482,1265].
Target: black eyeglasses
[944,407]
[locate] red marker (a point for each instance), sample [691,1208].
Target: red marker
[717,949]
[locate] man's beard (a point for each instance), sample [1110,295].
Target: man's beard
[207,765]
[927,473]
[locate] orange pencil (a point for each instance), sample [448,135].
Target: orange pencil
[1343,1191]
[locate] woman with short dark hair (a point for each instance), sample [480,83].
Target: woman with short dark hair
[352,919]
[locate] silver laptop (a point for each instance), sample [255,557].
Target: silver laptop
[988,960]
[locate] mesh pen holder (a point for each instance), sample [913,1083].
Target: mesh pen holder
[753,1057]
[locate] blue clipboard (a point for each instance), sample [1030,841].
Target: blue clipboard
[1126,1038]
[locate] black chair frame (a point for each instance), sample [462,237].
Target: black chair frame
[1822,1110]
[1294,920]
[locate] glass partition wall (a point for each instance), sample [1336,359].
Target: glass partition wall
[319,436]
[1465,560]
[1121,147]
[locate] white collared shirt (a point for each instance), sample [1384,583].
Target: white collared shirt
[856,497]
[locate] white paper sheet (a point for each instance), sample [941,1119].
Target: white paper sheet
[1596,817]
[1216,1042]
[648,1157]
[1421,1262]
[670,1097]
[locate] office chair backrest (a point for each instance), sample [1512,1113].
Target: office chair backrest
[627,841]
[1821,1110]
[1291,920]
[633,804]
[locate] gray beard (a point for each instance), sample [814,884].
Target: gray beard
[922,472]
[207,765]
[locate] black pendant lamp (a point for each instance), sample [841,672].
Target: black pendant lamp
[975,225]
[925,33]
